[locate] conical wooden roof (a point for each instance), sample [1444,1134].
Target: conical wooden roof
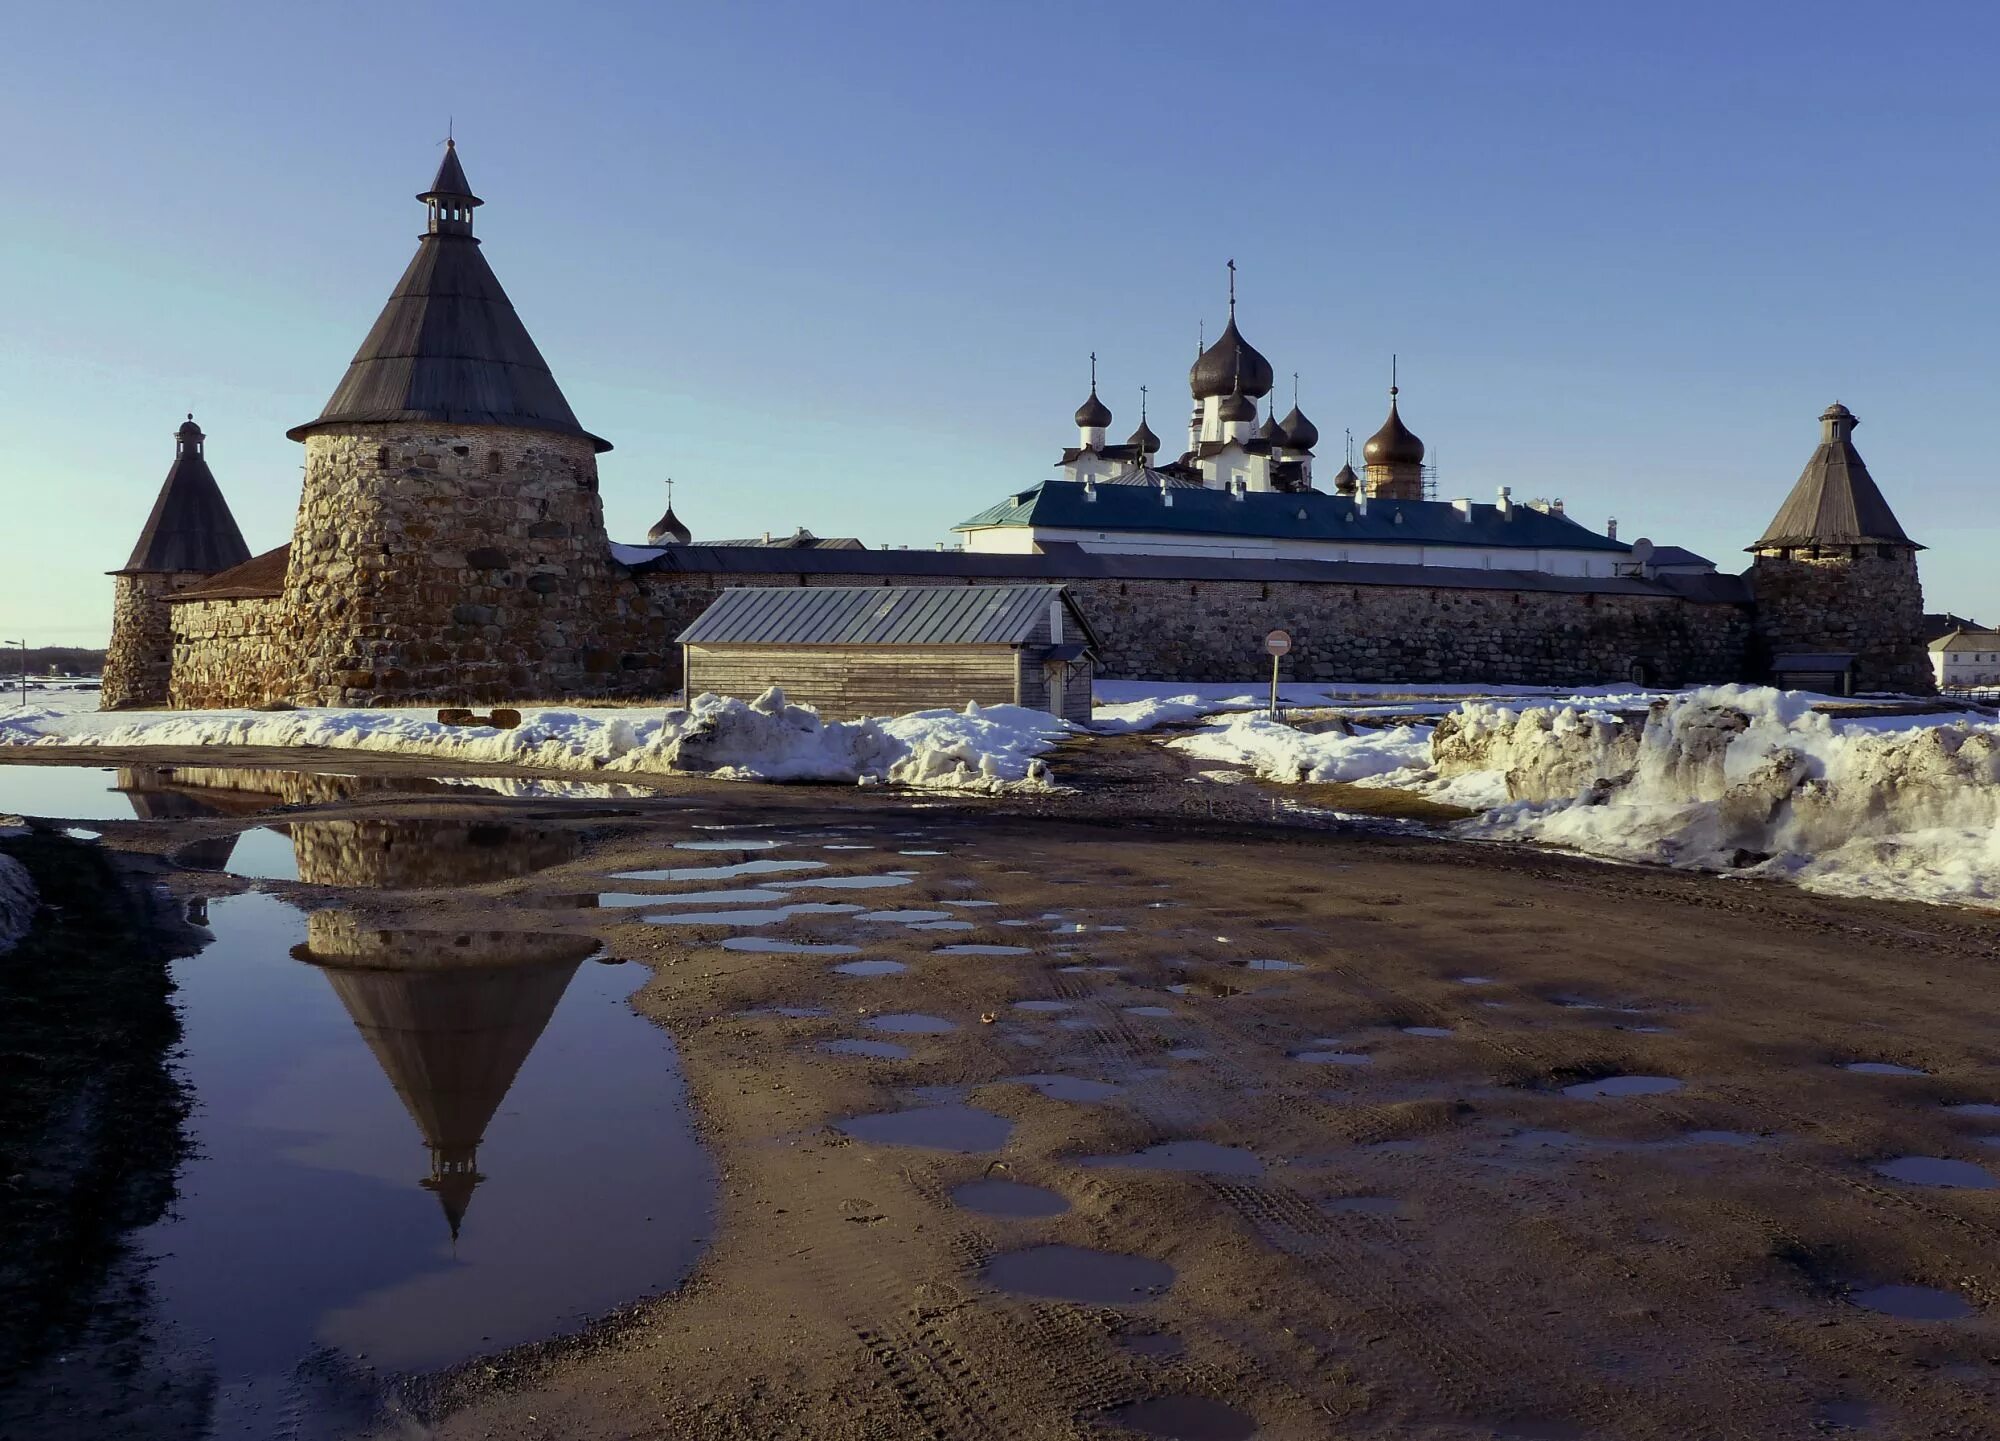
[448,346]
[1836,500]
[190,528]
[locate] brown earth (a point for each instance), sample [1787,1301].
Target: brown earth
[1440,1244]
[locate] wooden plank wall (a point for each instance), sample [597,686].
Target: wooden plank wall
[848,681]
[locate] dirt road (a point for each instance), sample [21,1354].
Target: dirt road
[1389,1203]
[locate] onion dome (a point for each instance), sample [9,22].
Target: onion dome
[1144,441]
[1300,433]
[1231,364]
[1237,406]
[1093,414]
[668,530]
[1273,432]
[1346,482]
[1395,443]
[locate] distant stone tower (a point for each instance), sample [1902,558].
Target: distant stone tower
[1834,574]
[450,542]
[1392,461]
[190,536]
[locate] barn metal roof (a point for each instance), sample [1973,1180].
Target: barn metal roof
[1280,515]
[879,615]
[190,528]
[449,348]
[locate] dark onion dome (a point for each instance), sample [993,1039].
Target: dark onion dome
[1395,443]
[1232,363]
[1300,433]
[1236,406]
[190,528]
[1144,441]
[668,530]
[1093,414]
[1273,432]
[1346,482]
[448,348]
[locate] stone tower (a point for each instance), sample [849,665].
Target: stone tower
[1392,461]
[1835,574]
[189,536]
[450,542]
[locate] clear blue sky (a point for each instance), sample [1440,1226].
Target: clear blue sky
[840,265]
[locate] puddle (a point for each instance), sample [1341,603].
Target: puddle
[1013,1199]
[1045,1006]
[920,853]
[1543,1140]
[840,847]
[1269,965]
[870,968]
[1074,1273]
[874,1050]
[1187,1053]
[1067,1088]
[1183,1418]
[846,883]
[1914,1303]
[720,873]
[1845,1415]
[1017,923]
[1974,1108]
[385,1124]
[1074,928]
[1334,1058]
[942,926]
[612,899]
[1720,1138]
[1365,1205]
[1435,1032]
[1608,1087]
[384,854]
[1475,980]
[975,950]
[1936,1171]
[935,1128]
[776,945]
[910,917]
[1082,970]
[1882,1068]
[739,843]
[909,1023]
[1154,1345]
[754,917]
[78,833]
[1204,1156]
[789,1013]
[969,905]
[1149,1010]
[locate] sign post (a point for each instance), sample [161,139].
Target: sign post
[1277,643]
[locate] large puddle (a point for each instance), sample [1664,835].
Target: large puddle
[412,1147]
[143,793]
[1073,1273]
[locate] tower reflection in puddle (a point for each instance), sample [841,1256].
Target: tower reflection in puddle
[450,1017]
[412,853]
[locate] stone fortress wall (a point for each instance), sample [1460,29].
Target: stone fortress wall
[1865,600]
[142,657]
[1214,630]
[464,564]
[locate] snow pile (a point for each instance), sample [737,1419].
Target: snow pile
[769,739]
[1754,781]
[18,901]
[1278,752]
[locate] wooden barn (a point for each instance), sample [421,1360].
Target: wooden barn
[884,650]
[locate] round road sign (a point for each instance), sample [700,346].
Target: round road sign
[1278,642]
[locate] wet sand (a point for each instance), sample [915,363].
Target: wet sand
[1427,1238]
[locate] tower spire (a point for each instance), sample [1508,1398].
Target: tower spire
[450,199]
[1232,289]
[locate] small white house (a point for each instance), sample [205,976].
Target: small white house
[1966,659]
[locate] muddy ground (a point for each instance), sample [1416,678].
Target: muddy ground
[1430,1241]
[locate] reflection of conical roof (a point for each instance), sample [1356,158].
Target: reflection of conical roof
[451,1037]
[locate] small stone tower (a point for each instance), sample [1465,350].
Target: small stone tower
[1392,461]
[450,542]
[1834,574]
[190,536]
